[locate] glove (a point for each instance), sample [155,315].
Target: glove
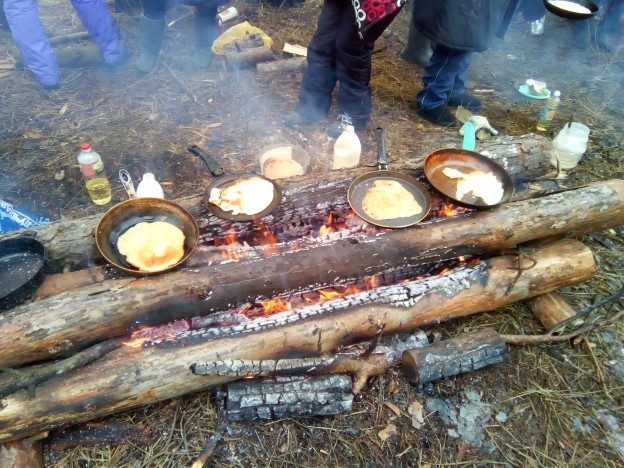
[480,123]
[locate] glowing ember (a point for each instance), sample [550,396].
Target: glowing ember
[230,253]
[371,282]
[265,238]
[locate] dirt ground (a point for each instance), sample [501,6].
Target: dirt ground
[547,405]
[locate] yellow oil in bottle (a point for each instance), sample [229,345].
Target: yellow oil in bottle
[99,190]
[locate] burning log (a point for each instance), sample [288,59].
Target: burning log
[447,358]
[70,242]
[286,397]
[116,307]
[132,377]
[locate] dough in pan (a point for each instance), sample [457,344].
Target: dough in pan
[152,246]
[389,199]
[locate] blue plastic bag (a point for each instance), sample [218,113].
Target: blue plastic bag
[13,218]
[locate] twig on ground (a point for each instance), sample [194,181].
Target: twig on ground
[182,85]
[223,426]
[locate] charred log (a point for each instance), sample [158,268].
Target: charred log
[128,378]
[455,356]
[286,397]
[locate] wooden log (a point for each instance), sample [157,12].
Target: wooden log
[114,307]
[282,66]
[94,434]
[71,242]
[551,309]
[132,377]
[247,57]
[23,453]
[288,397]
[447,358]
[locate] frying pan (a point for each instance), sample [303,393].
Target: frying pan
[466,162]
[221,180]
[361,185]
[126,214]
[573,15]
[22,265]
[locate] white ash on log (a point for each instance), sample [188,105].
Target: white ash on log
[454,356]
[70,242]
[115,307]
[129,378]
[287,397]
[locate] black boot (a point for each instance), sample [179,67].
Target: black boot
[152,33]
[205,34]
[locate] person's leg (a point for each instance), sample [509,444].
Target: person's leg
[99,24]
[205,33]
[32,40]
[458,95]
[152,32]
[319,78]
[354,64]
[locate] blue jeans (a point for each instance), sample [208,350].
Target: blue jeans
[444,77]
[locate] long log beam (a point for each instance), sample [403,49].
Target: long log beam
[129,378]
[56,325]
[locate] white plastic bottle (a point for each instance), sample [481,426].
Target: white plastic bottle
[149,187]
[347,149]
[92,169]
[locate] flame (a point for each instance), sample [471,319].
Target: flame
[135,343]
[371,282]
[275,305]
[229,253]
[328,295]
[326,228]
[265,239]
[447,210]
[444,272]
[461,258]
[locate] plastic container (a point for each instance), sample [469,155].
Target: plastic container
[149,187]
[271,167]
[548,112]
[569,145]
[92,169]
[347,149]
[469,142]
[227,14]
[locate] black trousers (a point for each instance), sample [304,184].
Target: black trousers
[336,53]
[156,9]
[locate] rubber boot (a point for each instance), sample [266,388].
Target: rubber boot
[205,34]
[418,49]
[602,38]
[152,33]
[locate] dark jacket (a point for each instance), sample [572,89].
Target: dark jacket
[459,24]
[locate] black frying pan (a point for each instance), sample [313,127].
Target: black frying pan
[466,162]
[221,180]
[126,214]
[22,265]
[573,15]
[361,185]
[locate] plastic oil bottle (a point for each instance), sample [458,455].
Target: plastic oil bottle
[92,169]
[548,112]
[347,149]
[149,187]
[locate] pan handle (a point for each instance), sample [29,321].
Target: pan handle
[213,166]
[382,158]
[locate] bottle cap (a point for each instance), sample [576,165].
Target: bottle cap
[557,93]
[85,146]
[148,176]
[350,128]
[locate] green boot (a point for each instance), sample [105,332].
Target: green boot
[152,32]
[418,49]
[205,34]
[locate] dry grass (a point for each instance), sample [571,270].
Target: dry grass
[553,395]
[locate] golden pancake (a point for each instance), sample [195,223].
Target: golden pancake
[247,195]
[278,168]
[484,185]
[388,199]
[152,246]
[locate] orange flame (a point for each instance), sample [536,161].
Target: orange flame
[326,228]
[447,210]
[275,305]
[371,282]
[444,272]
[230,253]
[136,343]
[265,239]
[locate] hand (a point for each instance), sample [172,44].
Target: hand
[480,123]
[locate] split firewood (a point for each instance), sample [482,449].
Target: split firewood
[551,309]
[447,358]
[282,66]
[287,397]
[295,49]
[99,434]
[362,368]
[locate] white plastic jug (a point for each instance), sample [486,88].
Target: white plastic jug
[347,149]
[569,145]
[149,187]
